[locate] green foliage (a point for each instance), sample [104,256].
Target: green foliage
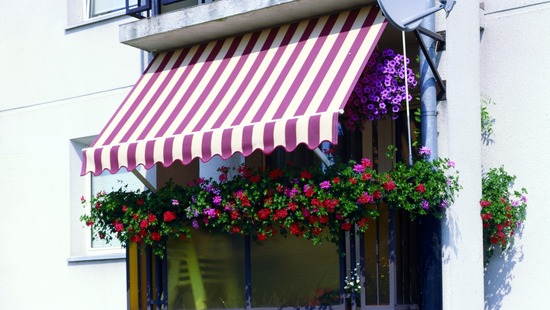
[311,203]
[502,210]
[486,120]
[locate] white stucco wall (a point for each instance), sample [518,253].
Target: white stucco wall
[55,85]
[462,254]
[515,71]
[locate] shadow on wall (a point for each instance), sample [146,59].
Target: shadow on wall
[448,244]
[498,276]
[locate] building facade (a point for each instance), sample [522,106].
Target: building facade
[64,73]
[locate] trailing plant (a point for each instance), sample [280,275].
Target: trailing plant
[380,89]
[502,210]
[413,181]
[315,203]
[486,120]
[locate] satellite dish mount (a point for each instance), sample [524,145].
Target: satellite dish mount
[407,15]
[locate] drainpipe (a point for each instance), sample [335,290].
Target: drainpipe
[430,227]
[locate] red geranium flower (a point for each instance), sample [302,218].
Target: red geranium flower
[363,222]
[316,230]
[420,188]
[264,213]
[485,203]
[119,227]
[366,176]
[275,173]
[234,214]
[169,216]
[487,216]
[305,175]
[262,236]
[366,162]
[143,224]
[282,213]
[295,229]
[345,226]
[291,206]
[254,178]
[155,236]
[389,186]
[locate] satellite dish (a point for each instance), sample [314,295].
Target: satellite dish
[406,15]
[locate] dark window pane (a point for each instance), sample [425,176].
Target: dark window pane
[206,272]
[294,272]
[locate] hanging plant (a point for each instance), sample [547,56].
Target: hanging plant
[502,210]
[380,90]
[313,203]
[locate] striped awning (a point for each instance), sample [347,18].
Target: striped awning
[278,87]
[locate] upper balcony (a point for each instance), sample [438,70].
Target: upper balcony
[188,25]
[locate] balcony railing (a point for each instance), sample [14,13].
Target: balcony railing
[146,8]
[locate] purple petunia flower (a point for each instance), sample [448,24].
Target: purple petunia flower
[195,224]
[358,168]
[444,204]
[325,184]
[211,212]
[175,202]
[424,151]
[425,205]
[217,200]
[451,164]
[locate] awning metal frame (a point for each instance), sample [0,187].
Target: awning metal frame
[440,46]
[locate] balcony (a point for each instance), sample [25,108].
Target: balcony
[223,18]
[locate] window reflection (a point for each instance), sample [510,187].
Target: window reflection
[206,272]
[294,272]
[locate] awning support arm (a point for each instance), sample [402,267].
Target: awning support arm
[442,89]
[143,180]
[322,157]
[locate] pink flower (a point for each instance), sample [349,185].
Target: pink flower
[119,227]
[389,186]
[366,162]
[425,151]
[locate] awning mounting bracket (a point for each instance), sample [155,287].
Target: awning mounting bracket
[143,180]
[440,39]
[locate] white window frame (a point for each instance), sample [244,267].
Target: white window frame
[115,9]
[81,248]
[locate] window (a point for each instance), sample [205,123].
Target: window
[101,7]
[82,247]
[107,182]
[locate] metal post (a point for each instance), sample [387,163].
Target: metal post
[430,228]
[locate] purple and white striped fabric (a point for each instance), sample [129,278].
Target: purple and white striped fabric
[278,87]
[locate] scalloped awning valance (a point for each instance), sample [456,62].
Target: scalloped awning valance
[277,87]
